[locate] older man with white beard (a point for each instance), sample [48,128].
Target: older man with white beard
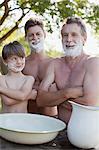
[76,74]
[37,62]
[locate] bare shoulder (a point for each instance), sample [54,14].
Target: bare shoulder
[28,57]
[2,79]
[29,78]
[28,62]
[92,62]
[56,61]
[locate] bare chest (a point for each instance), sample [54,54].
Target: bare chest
[15,83]
[42,69]
[70,78]
[31,68]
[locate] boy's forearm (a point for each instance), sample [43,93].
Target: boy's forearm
[14,94]
[9,101]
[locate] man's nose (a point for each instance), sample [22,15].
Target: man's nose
[35,37]
[69,38]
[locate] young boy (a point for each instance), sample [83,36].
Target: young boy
[15,88]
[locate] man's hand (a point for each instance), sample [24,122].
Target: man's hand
[34,94]
[53,87]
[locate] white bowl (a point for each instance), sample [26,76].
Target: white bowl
[29,128]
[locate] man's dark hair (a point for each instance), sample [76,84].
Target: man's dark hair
[13,48]
[78,21]
[32,23]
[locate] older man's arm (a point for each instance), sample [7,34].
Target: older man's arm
[47,98]
[91,84]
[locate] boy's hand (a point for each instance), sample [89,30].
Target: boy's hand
[34,94]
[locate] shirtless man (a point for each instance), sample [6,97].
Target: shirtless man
[75,69]
[15,88]
[37,62]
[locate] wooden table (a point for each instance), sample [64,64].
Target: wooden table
[59,143]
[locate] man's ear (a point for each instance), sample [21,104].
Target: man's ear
[44,34]
[84,39]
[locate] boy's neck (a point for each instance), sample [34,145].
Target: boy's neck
[12,73]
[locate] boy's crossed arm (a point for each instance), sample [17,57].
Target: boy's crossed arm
[22,94]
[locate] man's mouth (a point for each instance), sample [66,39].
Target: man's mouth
[35,43]
[70,46]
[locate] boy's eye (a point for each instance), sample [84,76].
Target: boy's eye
[21,58]
[15,58]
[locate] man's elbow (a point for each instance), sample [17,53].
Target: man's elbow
[91,101]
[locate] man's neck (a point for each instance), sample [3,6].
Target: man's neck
[72,61]
[40,55]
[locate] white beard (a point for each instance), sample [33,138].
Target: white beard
[75,51]
[37,46]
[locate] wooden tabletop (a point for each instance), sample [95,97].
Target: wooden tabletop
[59,143]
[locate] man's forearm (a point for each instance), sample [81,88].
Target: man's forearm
[55,98]
[45,98]
[87,100]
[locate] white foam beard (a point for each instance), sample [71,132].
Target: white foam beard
[37,46]
[12,67]
[73,51]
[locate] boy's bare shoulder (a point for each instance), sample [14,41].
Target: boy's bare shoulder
[28,77]
[2,79]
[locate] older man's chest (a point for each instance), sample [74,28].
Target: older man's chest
[70,78]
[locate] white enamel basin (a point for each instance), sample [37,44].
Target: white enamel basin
[27,128]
